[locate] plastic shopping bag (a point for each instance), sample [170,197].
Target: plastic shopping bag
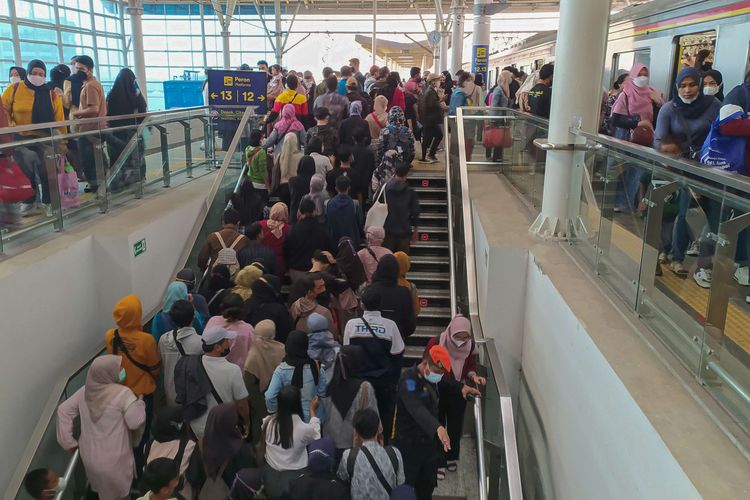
[67,184]
[722,151]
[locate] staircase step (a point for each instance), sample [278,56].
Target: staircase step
[433,229]
[430,244]
[435,312]
[413,352]
[430,259]
[427,332]
[420,189]
[417,276]
[434,293]
[431,216]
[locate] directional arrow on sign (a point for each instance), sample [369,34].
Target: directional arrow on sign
[213,95]
[262,98]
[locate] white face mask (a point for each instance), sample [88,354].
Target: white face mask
[688,101]
[459,343]
[711,90]
[36,80]
[14,80]
[640,81]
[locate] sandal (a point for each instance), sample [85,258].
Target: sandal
[452,466]
[441,473]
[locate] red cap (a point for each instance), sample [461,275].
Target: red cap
[440,357]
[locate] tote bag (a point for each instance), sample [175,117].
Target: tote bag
[496,137]
[14,185]
[67,185]
[378,212]
[721,151]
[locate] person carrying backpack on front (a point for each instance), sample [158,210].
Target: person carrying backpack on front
[373,470]
[223,246]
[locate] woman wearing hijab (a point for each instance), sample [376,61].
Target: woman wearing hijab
[412,93]
[384,172]
[396,301]
[318,195]
[16,75]
[392,91]
[223,451]
[125,98]
[396,136]
[287,436]
[287,123]
[245,279]
[219,286]
[347,393]
[31,101]
[297,369]
[286,162]
[460,345]
[322,345]
[371,255]
[264,356]
[299,185]
[162,322]
[57,77]
[267,303]
[499,98]
[172,441]
[349,264]
[404,264]
[110,418]
[231,319]
[354,125]
[713,84]
[378,119]
[274,231]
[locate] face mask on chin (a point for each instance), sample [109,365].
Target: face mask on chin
[688,101]
[36,80]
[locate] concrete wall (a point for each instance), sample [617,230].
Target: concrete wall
[58,298]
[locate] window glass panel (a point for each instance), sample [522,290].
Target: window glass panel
[5,29]
[37,34]
[34,11]
[4,8]
[47,53]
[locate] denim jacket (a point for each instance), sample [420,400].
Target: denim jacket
[282,377]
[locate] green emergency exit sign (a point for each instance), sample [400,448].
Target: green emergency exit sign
[139,247]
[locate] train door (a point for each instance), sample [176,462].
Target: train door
[694,50]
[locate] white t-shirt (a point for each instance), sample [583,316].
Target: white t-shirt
[227,380]
[383,328]
[295,458]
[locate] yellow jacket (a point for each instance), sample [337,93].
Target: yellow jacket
[18,101]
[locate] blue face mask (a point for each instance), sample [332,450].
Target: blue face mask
[433,378]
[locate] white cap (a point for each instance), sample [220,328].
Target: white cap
[728,110]
[216,334]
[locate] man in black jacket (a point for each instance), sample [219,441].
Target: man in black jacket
[403,212]
[306,236]
[257,251]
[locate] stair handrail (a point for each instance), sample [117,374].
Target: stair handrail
[506,402]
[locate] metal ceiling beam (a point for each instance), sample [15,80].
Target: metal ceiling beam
[263,22]
[291,24]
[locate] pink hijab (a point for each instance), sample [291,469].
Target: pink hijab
[457,354]
[288,121]
[634,100]
[102,384]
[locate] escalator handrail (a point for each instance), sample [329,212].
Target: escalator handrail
[506,402]
[51,406]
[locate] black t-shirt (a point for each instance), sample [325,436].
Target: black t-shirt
[540,98]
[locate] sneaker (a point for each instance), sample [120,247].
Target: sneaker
[678,269]
[693,249]
[663,258]
[703,277]
[742,276]
[48,209]
[423,160]
[432,159]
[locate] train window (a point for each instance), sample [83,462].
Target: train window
[695,50]
[623,61]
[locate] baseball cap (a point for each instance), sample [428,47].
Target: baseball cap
[438,355]
[216,334]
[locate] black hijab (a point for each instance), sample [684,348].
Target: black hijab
[701,103]
[123,98]
[387,271]
[393,80]
[76,85]
[58,75]
[716,75]
[21,72]
[346,381]
[221,439]
[41,111]
[299,185]
[296,355]
[348,263]
[448,83]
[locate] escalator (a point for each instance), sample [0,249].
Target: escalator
[441,269]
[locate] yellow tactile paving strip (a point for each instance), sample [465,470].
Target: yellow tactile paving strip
[738,321]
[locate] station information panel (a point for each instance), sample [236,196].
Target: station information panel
[236,89]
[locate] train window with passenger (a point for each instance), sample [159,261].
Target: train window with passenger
[695,50]
[623,61]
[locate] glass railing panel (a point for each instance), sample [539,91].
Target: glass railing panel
[592,204]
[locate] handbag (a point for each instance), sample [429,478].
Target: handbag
[67,184]
[14,185]
[378,212]
[496,137]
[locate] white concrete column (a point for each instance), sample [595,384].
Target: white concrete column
[581,48]
[135,10]
[374,31]
[444,50]
[225,47]
[480,45]
[424,63]
[279,41]
[457,35]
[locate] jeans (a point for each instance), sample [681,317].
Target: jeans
[431,137]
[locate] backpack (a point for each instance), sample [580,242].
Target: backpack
[228,255]
[351,460]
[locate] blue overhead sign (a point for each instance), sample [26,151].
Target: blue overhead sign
[480,61]
[237,88]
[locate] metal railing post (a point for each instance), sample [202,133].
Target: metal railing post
[188,148]
[101,175]
[164,140]
[50,166]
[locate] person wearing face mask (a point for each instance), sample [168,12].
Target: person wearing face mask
[110,415]
[43,484]
[713,84]
[16,75]
[418,418]
[202,387]
[461,348]
[31,101]
[91,105]
[689,115]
